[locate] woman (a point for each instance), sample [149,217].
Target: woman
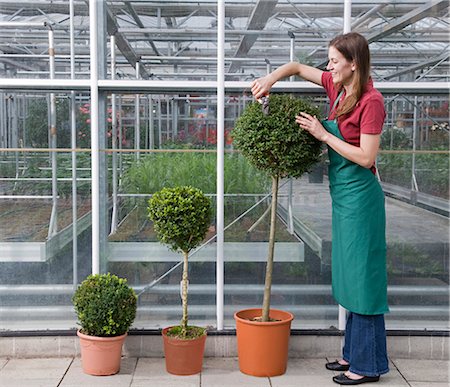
[352,134]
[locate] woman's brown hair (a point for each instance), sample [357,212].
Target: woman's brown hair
[355,48]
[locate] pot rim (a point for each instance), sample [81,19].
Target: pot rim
[288,319]
[100,338]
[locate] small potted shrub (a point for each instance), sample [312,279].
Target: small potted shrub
[106,307]
[181,217]
[272,142]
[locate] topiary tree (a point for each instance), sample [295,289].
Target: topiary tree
[105,305]
[181,217]
[275,143]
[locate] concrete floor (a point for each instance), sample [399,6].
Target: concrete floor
[217,372]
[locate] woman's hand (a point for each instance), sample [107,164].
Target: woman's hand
[312,125]
[261,86]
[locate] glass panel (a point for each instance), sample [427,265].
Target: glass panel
[38,269]
[152,140]
[414,169]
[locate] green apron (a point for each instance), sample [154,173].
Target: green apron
[358,250]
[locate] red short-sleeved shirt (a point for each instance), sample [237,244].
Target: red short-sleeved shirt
[366,117]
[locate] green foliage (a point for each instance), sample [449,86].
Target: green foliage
[156,171]
[405,260]
[275,143]
[105,305]
[37,125]
[394,138]
[181,216]
[38,165]
[432,171]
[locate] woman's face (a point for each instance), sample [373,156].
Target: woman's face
[340,68]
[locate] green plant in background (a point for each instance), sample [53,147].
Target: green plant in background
[105,305]
[37,127]
[181,217]
[156,171]
[37,165]
[274,143]
[407,260]
[7,167]
[153,172]
[431,170]
[394,138]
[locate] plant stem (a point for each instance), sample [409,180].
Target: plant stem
[184,295]
[269,266]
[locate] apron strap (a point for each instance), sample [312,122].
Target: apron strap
[336,101]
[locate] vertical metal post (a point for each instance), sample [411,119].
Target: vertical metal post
[114,216]
[137,119]
[291,183]
[347,15]
[159,122]
[291,52]
[268,66]
[121,134]
[3,131]
[53,227]
[220,162]
[175,116]
[14,131]
[168,118]
[207,118]
[414,186]
[73,133]
[158,18]
[151,123]
[95,159]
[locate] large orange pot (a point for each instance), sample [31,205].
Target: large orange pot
[183,357]
[263,346]
[101,355]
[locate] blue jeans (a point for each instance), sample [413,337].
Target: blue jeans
[365,344]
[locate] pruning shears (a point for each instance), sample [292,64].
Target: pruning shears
[264,101]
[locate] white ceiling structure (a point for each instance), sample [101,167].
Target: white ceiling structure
[171,40]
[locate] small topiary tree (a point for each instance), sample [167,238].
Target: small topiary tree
[105,305]
[275,143]
[181,217]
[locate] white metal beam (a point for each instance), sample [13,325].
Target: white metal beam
[168,87]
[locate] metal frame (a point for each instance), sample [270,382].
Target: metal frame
[272,30]
[172,28]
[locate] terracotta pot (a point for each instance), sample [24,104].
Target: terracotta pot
[263,346]
[183,357]
[101,355]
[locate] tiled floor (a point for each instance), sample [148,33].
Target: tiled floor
[217,372]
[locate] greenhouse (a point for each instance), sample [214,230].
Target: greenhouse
[104,103]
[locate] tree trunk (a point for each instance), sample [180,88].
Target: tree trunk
[269,266]
[184,294]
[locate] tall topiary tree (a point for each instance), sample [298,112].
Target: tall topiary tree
[181,217]
[273,142]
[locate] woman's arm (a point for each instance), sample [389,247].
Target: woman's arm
[364,155]
[262,86]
